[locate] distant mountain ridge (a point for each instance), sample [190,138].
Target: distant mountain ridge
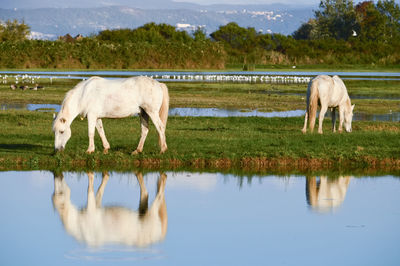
[46,22]
[147,4]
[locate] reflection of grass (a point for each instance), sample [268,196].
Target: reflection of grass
[26,138]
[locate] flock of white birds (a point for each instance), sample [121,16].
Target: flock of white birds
[235,78]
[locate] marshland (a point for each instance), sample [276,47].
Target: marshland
[268,138]
[240,184]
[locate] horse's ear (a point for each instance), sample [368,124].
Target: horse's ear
[352,107]
[63,120]
[54,116]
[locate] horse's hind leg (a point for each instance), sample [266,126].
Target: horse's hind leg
[304,130]
[100,190]
[100,130]
[160,129]
[144,195]
[312,116]
[144,124]
[321,117]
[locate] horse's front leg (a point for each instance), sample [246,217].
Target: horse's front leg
[91,128]
[341,119]
[91,203]
[322,112]
[333,119]
[100,130]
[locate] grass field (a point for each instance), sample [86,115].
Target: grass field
[256,144]
[26,141]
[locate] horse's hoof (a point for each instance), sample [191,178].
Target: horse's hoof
[303,131]
[105,151]
[89,152]
[135,152]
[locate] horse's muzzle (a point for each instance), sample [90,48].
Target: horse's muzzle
[58,149]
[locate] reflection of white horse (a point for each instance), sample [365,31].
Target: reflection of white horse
[326,193]
[96,98]
[96,225]
[332,93]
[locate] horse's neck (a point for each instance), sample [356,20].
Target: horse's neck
[341,87]
[346,103]
[70,107]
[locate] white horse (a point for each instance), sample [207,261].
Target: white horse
[326,194]
[96,226]
[97,98]
[328,92]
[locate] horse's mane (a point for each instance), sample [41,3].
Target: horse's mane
[71,93]
[339,82]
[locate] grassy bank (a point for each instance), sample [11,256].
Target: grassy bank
[26,142]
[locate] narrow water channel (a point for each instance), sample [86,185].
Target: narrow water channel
[183,218]
[216,112]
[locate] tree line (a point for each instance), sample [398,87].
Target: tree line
[340,33]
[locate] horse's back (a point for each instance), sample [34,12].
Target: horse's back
[120,97]
[140,83]
[322,82]
[331,90]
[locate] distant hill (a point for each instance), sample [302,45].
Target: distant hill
[53,22]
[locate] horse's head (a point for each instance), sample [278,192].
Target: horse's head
[62,132]
[348,117]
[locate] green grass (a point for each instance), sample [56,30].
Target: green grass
[249,144]
[239,67]
[26,141]
[319,67]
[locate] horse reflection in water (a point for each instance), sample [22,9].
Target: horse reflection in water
[97,226]
[325,194]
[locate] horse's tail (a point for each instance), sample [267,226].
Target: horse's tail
[165,105]
[312,104]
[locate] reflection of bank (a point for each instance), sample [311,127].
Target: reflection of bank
[96,225]
[325,194]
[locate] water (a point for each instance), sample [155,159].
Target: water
[199,76]
[209,219]
[216,112]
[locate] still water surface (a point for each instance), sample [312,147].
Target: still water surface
[215,112]
[197,219]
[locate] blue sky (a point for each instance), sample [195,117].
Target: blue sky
[208,2]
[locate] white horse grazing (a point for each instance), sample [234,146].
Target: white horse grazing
[328,92]
[97,98]
[97,226]
[326,194]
